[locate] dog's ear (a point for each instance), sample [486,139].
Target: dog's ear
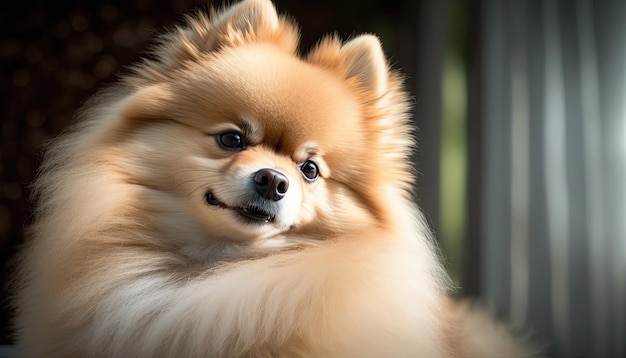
[254,21]
[385,111]
[364,60]
[247,18]
[362,64]
[361,60]
[244,22]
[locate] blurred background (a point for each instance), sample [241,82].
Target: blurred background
[520,110]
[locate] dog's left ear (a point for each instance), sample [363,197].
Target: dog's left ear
[364,60]
[385,116]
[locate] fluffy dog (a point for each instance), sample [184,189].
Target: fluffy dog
[230,198]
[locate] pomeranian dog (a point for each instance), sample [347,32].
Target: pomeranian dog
[231,198]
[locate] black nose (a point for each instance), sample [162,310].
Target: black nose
[271,184]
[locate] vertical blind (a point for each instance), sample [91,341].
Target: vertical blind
[553,252]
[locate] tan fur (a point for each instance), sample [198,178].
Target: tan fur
[127,259]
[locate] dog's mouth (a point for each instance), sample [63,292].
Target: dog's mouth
[251,213]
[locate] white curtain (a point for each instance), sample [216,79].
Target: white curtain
[553,223]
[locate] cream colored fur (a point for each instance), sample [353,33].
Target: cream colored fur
[127,259]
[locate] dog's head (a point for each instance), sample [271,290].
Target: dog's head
[231,124]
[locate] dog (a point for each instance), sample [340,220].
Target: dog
[232,198]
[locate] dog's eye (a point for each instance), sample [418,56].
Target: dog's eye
[231,141]
[309,170]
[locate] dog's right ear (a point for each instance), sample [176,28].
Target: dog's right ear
[253,21]
[247,18]
[245,22]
